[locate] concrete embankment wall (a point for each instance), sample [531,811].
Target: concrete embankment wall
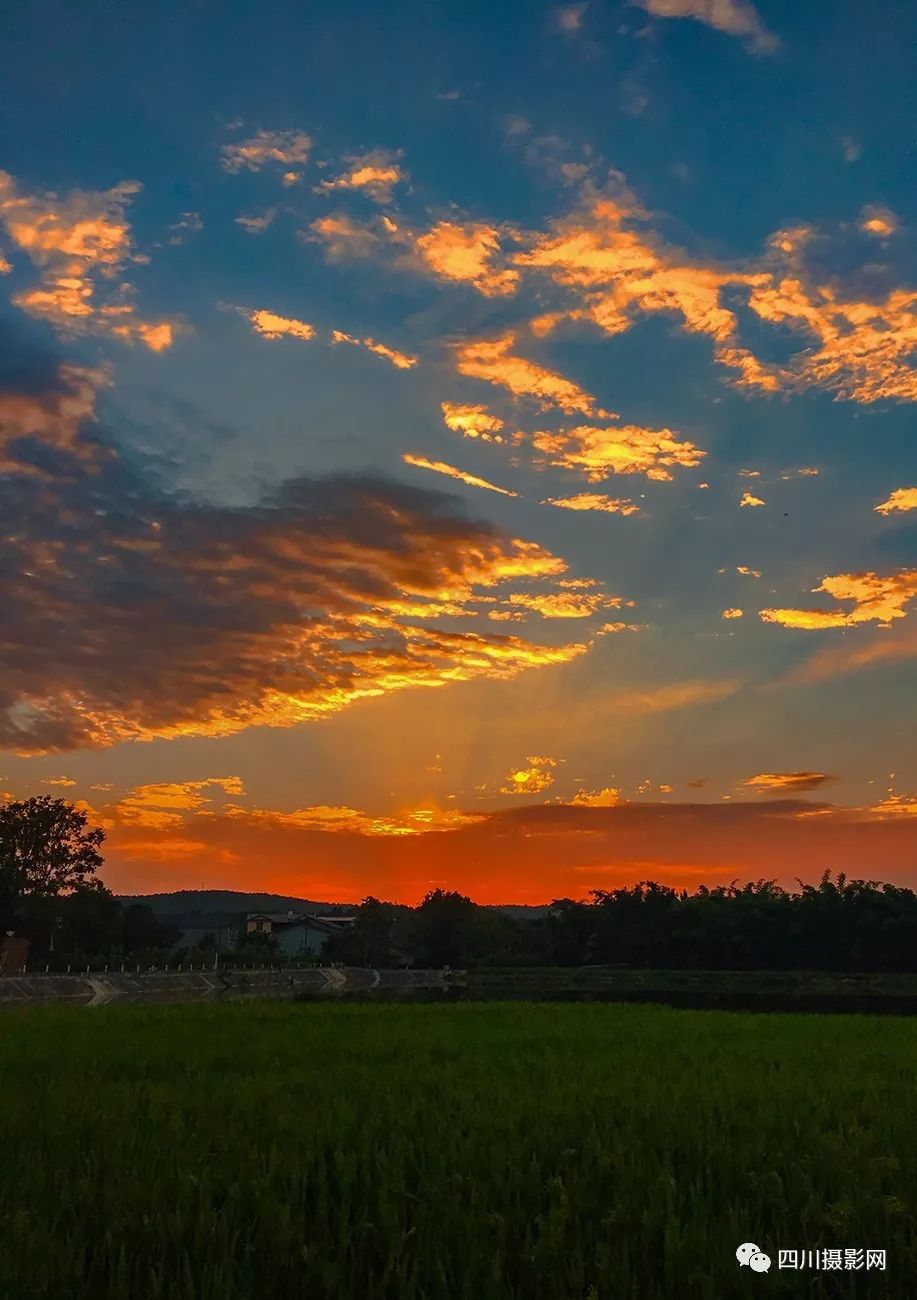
[190,986]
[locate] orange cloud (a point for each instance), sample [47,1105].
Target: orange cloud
[343,237]
[790,782]
[344,820]
[734,17]
[79,243]
[876,599]
[626,449]
[901,499]
[533,779]
[54,415]
[748,499]
[472,421]
[609,797]
[876,220]
[493,361]
[164,805]
[400,360]
[733,613]
[616,268]
[440,467]
[594,501]
[467,253]
[375,173]
[219,619]
[264,147]
[273,326]
[565,604]
[749,573]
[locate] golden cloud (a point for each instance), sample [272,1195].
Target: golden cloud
[273,326]
[609,797]
[340,819]
[440,467]
[285,612]
[790,782]
[79,243]
[533,779]
[472,421]
[467,253]
[901,499]
[875,220]
[375,173]
[594,501]
[733,613]
[749,499]
[876,599]
[494,361]
[617,268]
[400,360]
[284,147]
[626,449]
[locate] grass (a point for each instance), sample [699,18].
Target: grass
[469,1151]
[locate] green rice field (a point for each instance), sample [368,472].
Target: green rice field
[464,1151]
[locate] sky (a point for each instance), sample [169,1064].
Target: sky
[462,445]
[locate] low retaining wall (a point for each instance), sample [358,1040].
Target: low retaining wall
[97,988]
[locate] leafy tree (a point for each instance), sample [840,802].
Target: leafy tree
[47,847]
[142,928]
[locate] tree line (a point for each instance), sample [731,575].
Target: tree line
[838,924]
[51,896]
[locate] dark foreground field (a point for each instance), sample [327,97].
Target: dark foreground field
[449,1152]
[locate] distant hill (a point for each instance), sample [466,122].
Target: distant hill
[228,903]
[225,902]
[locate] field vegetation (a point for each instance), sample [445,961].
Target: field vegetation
[470,1151]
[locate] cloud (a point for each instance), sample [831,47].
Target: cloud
[597,453]
[568,19]
[734,17]
[594,501]
[750,500]
[733,613]
[375,173]
[876,220]
[876,599]
[343,238]
[901,499]
[188,223]
[284,147]
[162,805]
[472,421]
[257,225]
[609,797]
[857,327]
[805,471]
[58,780]
[440,467]
[80,243]
[787,782]
[400,360]
[273,326]
[340,819]
[533,779]
[467,252]
[494,361]
[747,572]
[50,413]
[839,660]
[133,614]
